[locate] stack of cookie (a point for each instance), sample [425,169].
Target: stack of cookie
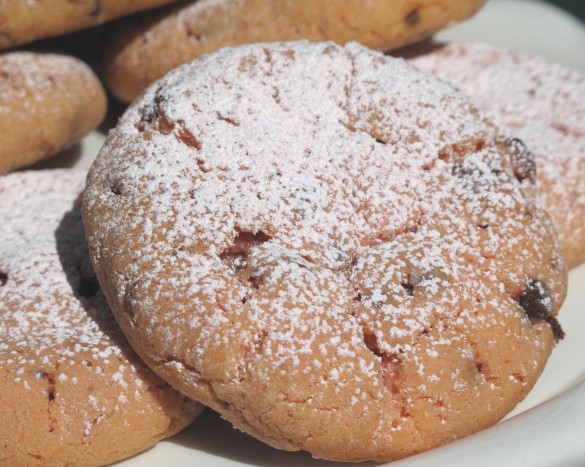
[334,250]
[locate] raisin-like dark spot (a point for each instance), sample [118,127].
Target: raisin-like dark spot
[255,281]
[88,287]
[379,141]
[159,99]
[521,160]
[413,17]
[3,278]
[116,188]
[556,328]
[194,35]
[97,8]
[151,111]
[535,300]
[479,366]
[357,298]
[409,288]
[236,257]
[236,261]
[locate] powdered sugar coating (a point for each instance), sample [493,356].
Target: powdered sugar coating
[306,236]
[48,102]
[543,104]
[70,379]
[141,49]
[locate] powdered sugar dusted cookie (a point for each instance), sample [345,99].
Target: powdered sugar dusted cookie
[48,102]
[141,49]
[26,21]
[327,247]
[72,392]
[542,105]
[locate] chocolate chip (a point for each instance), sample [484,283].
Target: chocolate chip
[535,300]
[116,188]
[413,17]
[521,160]
[151,111]
[556,328]
[236,261]
[236,257]
[409,288]
[97,8]
[255,281]
[3,278]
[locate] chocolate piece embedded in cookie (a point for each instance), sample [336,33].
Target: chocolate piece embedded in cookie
[73,392]
[22,22]
[335,266]
[539,103]
[141,49]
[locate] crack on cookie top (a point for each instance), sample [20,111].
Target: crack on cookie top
[363,238]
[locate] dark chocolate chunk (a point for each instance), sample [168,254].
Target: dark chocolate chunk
[521,160]
[556,328]
[97,8]
[535,300]
[151,111]
[409,288]
[413,17]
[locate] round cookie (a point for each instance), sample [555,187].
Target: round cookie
[540,103]
[143,48]
[23,22]
[326,246]
[72,392]
[48,103]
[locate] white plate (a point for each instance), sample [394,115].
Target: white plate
[548,427]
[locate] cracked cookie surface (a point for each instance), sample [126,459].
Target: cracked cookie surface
[327,247]
[72,390]
[542,104]
[143,48]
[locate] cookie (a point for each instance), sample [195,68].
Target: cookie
[541,106]
[326,246]
[72,392]
[142,49]
[22,22]
[48,103]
